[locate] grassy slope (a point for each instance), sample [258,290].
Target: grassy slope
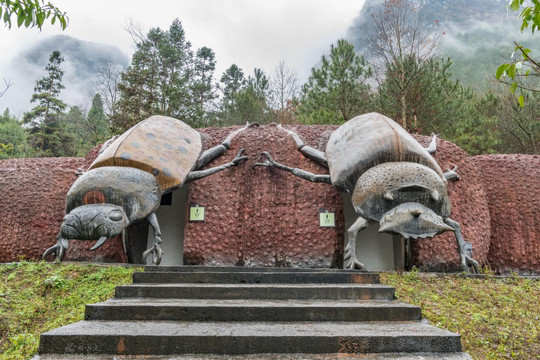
[498,319]
[38,297]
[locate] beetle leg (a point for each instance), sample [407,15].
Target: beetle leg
[306,175]
[468,264]
[155,250]
[451,174]
[212,153]
[312,153]
[58,249]
[350,261]
[199,174]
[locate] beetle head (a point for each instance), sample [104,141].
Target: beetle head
[412,220]
[94,222]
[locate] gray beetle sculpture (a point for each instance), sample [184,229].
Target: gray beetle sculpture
[393,180]
[126,181]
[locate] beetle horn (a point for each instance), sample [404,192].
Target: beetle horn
[100,242]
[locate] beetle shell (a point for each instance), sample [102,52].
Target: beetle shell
[369,140]
[160,145]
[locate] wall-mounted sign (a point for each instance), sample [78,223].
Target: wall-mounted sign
[196,212]
[327,218]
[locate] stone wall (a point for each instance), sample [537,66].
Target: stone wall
[267,217]
[32,208]
[512,184]
[262,216]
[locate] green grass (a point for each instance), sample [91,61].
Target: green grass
[36,297]
[497,318]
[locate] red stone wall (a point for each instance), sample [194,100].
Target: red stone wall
[262,216]
[269,217]
[512,184]
[469,209]
[32,208]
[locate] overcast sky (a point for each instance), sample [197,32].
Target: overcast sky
[249,33]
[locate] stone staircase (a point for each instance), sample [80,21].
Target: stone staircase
[251,313]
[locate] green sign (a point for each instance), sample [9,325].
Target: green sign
[327,218]
[196,212]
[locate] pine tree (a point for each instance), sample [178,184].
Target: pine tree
[336,91]
[46,129]
[164,78]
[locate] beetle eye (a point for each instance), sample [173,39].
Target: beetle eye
[116,215]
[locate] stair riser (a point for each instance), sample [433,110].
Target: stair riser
[282,293]
[229,269]
[255,278]
[218,313]
[167,345]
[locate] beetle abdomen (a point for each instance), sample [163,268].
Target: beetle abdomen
[369,140]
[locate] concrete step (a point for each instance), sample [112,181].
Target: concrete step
[258,291]
[389,356]
[256,277]
[145,309]
[229,269]
[236,338]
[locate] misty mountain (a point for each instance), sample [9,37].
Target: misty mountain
[477,35]
[83,59]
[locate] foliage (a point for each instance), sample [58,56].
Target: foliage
[36,297]
[337,90]
[432,97]
[401,46]
[244,100]
[88,129]
[31,13]
[46,127]
[202,89]
[519,126]
[525,67]
[496,318]
[13,142]
[165,78]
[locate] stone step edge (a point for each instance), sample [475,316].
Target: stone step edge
[170,337]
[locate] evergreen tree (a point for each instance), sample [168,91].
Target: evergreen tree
[202,89]
[166,78]
[232,81]
[97,123]
[244,100]
[336,91]
[46,128]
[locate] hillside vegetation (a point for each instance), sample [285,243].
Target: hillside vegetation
[497,318]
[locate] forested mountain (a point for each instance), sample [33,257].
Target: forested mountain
[83,59]
[477,35]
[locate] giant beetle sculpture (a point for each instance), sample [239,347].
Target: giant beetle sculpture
[126,181]
[393,180]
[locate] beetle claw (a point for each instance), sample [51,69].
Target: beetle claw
[156,253]
[57,250]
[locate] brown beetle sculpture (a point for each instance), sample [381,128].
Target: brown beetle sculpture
[126,181]
[392,180]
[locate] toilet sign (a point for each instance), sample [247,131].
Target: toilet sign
[327,218]
[196,212]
